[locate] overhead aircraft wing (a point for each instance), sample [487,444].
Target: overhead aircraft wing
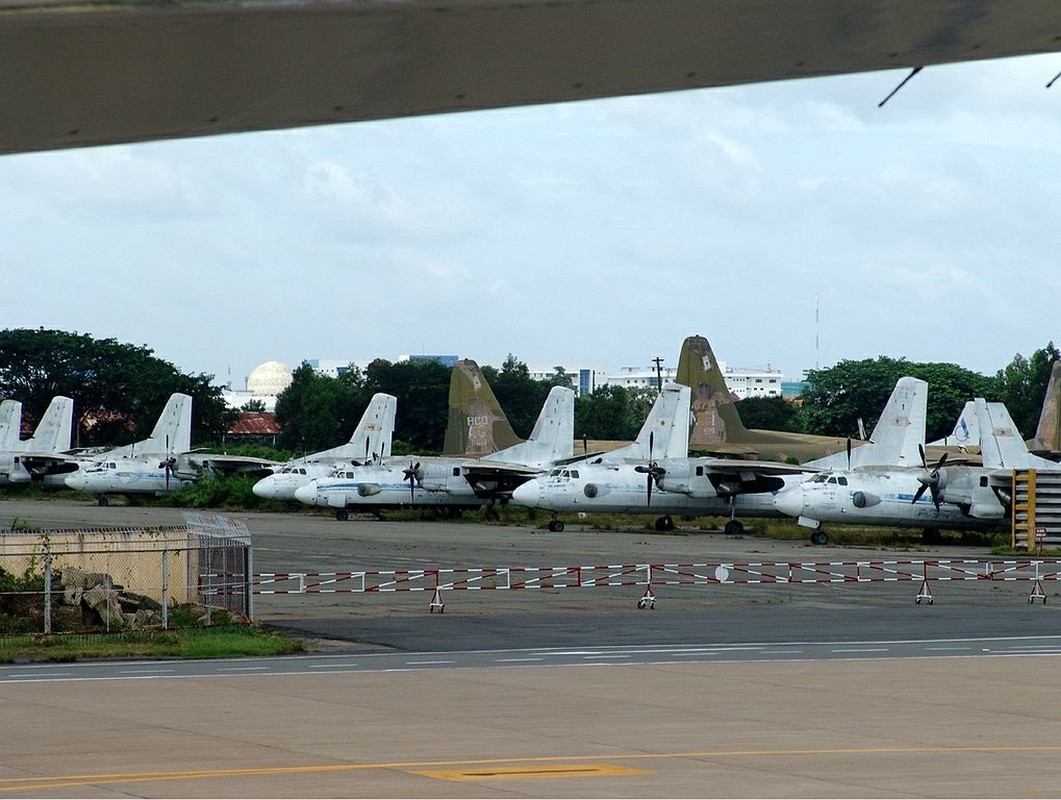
[47,463]
[89,72]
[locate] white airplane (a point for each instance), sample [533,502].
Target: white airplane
[23,460]
[716,486]
[161,463]
[453,482]
[370,443]
[929,497]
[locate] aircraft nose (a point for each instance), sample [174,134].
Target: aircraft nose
[264,488]
[527,494]
[75,480]
[790,502]
[307,494]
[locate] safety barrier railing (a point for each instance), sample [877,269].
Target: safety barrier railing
[651,575]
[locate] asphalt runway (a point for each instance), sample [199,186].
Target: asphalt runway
[890,724]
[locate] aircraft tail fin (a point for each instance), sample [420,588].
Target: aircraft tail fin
[372,438]
[172,432]
[476,425]
[55,429]
[900,430]
[665,433]
[553,436]
[10,425]
[966,431]
[1001,445]
[1048,433]
[715,417]
[376,428]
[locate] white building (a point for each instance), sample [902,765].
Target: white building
[743,383]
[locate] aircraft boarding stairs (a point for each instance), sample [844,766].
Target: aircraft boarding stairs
[1036,509]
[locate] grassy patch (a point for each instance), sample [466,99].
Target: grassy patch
[223,641]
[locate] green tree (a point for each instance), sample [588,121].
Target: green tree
[612,412]
[422,389]
[120,388]
[837,397]
[770,413]
[309,412]
[520,396]
[1021,385]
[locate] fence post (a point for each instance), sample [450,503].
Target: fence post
[165,590]
[47,591]
[248,572]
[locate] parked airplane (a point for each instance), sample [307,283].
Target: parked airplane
[10,425]
[370,443]
[447,481]
[715,486]
[23,460]
[161,463]
[934,497]
[1047,439]
[717,427]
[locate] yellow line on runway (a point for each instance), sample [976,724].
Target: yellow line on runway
[40,782]
[523,773]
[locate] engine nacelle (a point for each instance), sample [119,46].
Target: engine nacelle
[864,499]
[368,489]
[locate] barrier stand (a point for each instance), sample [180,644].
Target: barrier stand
[1037,589]
[924,593]
[436,601]
[648,600]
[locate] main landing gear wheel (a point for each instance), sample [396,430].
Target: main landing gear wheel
[102,501]
[665,523]
[342,515]
[733,528]
[819,537]
[556,526]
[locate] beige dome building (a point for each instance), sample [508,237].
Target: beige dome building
[269,378]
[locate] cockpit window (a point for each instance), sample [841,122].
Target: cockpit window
[842,480]
[574,473]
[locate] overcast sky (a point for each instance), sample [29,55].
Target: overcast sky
[601,232]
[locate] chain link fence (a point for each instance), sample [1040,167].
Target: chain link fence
[119,579]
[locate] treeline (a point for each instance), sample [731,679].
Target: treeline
[119,390]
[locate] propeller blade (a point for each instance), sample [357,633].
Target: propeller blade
[921,452]
[920,491]
[849,452]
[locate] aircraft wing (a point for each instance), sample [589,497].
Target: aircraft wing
[496,479]
[730,477]
[46,463]
[223,464]
[88,72]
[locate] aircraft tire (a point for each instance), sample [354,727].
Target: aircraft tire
[664,523]
[342,515]
[556,526]
[819,537]
[102,501]
[733,527]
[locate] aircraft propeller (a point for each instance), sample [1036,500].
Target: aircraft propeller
[931,480]
[412,475]
[653,471]
[168,463]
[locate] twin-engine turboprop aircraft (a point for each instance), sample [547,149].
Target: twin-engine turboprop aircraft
[932,497]
[369,444]
[453,482]
[23,460]
[678,485]
[161,463]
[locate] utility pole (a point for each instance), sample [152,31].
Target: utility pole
[658,361]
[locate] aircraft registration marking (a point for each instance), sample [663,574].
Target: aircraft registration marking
[532,772]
